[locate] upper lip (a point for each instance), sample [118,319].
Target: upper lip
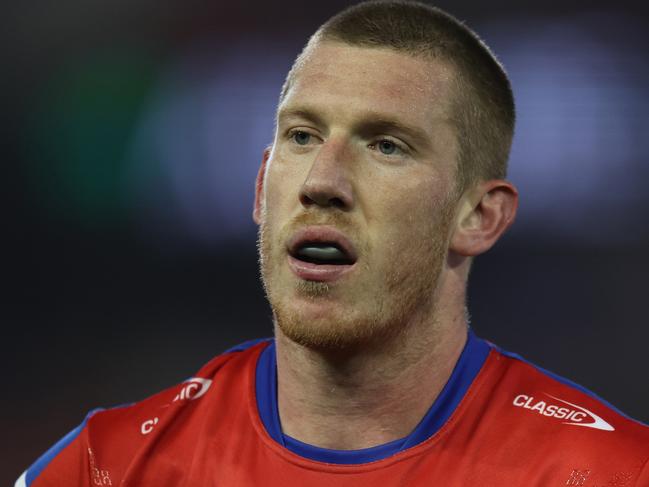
[322,234]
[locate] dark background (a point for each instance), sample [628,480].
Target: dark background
[132,131]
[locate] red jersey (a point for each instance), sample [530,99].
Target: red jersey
[499,421]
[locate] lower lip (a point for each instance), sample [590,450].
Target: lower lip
[318,272]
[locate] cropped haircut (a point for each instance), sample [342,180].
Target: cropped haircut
[482,108]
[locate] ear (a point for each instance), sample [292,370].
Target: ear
[486,211]
[259,186]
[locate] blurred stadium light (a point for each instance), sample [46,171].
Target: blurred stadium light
[200,141]
[580,150]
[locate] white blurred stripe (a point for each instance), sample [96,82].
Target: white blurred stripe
[21,482]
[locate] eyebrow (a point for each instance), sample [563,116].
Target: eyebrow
[369,123]
[303,113]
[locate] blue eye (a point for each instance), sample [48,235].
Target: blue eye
[387,147]
[301,138]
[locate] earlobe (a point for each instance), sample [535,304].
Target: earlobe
[259,187]
[486,212]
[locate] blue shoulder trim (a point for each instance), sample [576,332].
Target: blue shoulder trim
[45,459]
[246,345]
[564,381]
[39,465]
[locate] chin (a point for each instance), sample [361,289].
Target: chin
[326,326]
[313,289]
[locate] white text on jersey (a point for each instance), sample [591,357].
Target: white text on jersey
[193,389]
[573,415]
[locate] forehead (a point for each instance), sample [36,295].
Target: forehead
[342,78]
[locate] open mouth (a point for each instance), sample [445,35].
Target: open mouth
[322,246]
[322,253]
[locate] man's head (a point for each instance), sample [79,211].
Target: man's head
[483,112]
[366,222]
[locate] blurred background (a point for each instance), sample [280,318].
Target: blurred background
[132,133]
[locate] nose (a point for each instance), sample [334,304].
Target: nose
[327,183]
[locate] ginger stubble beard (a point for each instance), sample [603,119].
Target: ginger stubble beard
[402,292]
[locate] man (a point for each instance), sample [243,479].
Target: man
[384,180]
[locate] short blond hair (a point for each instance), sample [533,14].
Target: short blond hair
[482,112]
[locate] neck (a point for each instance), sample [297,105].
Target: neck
[350,401]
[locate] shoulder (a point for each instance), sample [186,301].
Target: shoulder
[527,378]
[223,373]
[117,433]
[558,417]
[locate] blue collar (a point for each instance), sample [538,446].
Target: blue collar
[468,365]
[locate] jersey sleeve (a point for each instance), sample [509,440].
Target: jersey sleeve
[65,463]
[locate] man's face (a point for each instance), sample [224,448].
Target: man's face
[356,202]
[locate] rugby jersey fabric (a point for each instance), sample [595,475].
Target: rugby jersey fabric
[499,421]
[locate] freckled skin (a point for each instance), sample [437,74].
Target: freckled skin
[398,208]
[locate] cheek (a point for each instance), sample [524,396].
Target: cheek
[279,190]
[283,182]
[416,199]
[410,217]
